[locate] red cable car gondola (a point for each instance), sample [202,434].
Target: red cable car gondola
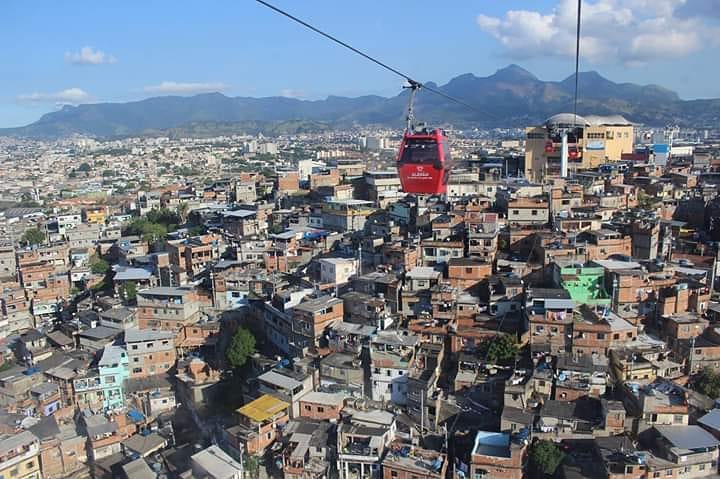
[549,146]
[423,161]
[573,152]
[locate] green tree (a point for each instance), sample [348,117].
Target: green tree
[196,230]
[545,457]
[33,236]
[128,291]
[149,231]
[251,464]
[241,348]
[85,167]
[708,382]
[99,265]
[182,211]
[276,229]
[500,348]
[163,216]
[154,232]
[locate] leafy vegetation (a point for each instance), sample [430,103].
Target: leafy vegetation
[33,236]
[128,291]
[276,229]
[500,348]
[155,225]
[708,382]
[99,265]
[241,348]
[251,465]
[85,167]
[6,365]
[545,457]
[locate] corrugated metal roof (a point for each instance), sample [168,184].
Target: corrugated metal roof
[263,408]
[688,437]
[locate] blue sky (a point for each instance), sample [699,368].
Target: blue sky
[91,51]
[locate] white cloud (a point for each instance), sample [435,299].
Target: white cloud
[171,87]
[70,96]
[88,56]
[290,93]
[631,32]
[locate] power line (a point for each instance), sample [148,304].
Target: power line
[381,64]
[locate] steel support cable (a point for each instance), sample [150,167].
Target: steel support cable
[381,64]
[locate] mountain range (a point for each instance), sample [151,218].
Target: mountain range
[511,97]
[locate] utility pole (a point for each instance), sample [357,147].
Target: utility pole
[713,272]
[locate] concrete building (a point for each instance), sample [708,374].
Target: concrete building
[166,307]
[346,215]
[594,140]
[149,352]
[214,463]
[390,356]
[19,456]
[113,369]
[337,271]
[258,424]
[312,318]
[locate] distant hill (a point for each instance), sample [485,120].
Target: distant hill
[510,97]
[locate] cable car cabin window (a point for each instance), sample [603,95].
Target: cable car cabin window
[446,152]
[423,152]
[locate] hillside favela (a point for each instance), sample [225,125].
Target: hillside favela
[297,240]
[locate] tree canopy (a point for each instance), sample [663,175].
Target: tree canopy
[545,457]
[33,236]
[128,291]
[708,383]
[241,348]
[155,225]
[99,265]
[500,348]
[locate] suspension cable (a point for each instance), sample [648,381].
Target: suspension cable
[577,63]
[381,64]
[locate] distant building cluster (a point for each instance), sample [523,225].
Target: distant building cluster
[522,316]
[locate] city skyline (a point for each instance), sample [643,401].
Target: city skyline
[87,53]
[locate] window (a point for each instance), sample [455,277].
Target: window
[30,465]
[269,435]
[137,370]
[308,407]
[110,379]
[393,474]
[677,419]
[533,212]
[601,335]
[321,409]
[149,345]
[134,346]
[656,474]
[616,336]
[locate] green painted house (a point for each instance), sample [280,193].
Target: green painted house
[586,284]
